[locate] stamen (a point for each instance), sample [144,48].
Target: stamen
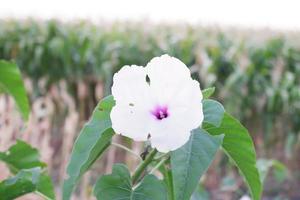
[160,112]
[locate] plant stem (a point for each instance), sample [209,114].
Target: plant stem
[168,178]
[126,149]
[159,164]
[162,156]
[143,166]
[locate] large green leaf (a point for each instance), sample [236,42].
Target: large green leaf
[239,147]
[11,82]
[93,140]
[189,162]
[21,157]
[213,112]
[118,186]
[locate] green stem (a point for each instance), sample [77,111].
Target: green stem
[126,149]
[159,157]
[168,179]
[143,166]
[158,165]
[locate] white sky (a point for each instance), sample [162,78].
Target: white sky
[278,14]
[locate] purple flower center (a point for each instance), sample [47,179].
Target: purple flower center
[160,112]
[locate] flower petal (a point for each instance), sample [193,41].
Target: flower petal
[167,69]
[166,74]
[130,86]
[131,113]
[131,121]
[185,114]
[186,108]
[167,137]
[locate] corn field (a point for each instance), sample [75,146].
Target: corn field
[68,68]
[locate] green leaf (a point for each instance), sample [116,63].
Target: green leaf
[11,82]
[24,182]
[239,147]
[2,90]
[213,112]
[93,140]
[22,156]
[45,187]
[208,92]
[118,186]
[190,162]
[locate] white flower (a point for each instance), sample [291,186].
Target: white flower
[160,102]
[245,197]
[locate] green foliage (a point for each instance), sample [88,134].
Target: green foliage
[12,83]
[208,92]
[213,112]
[118,186]
[187,164]
[24,182]
[93,140]
[23,161]
[21,156]
[243,69]
[83,51]
[238,145]
[190,162]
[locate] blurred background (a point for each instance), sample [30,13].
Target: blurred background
[68,52]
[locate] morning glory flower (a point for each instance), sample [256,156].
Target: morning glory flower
[159,102]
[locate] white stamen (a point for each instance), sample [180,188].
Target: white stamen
[161,114]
